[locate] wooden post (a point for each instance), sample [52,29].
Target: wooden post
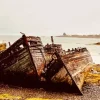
[9,44]
[52,40]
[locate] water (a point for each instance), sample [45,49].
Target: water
[67,43]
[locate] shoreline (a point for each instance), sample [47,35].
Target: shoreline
[79,36]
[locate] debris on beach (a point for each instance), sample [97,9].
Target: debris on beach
[69,67]
[28,62]
[23,61]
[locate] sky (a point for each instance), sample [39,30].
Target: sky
[49,17]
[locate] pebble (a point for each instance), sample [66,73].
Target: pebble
[90,92]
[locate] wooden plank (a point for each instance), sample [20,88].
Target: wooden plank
[17,59]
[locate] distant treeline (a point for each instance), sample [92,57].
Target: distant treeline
[80,36]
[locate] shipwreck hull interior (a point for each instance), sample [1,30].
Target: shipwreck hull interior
[68,69]
[16,64]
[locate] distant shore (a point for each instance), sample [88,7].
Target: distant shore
[80,36]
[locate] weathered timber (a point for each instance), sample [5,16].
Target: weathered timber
[37,53]
[68,67]
[28,62]
[70,71]
[23,61]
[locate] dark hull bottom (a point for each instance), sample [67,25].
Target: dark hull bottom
[19,79]
[50,87]
[61,87]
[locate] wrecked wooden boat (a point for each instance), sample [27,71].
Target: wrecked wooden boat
[23,61]
[27,62]
[66,67]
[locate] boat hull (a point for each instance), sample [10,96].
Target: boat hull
[18,62]
[69,69]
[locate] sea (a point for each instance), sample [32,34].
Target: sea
[66,42]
